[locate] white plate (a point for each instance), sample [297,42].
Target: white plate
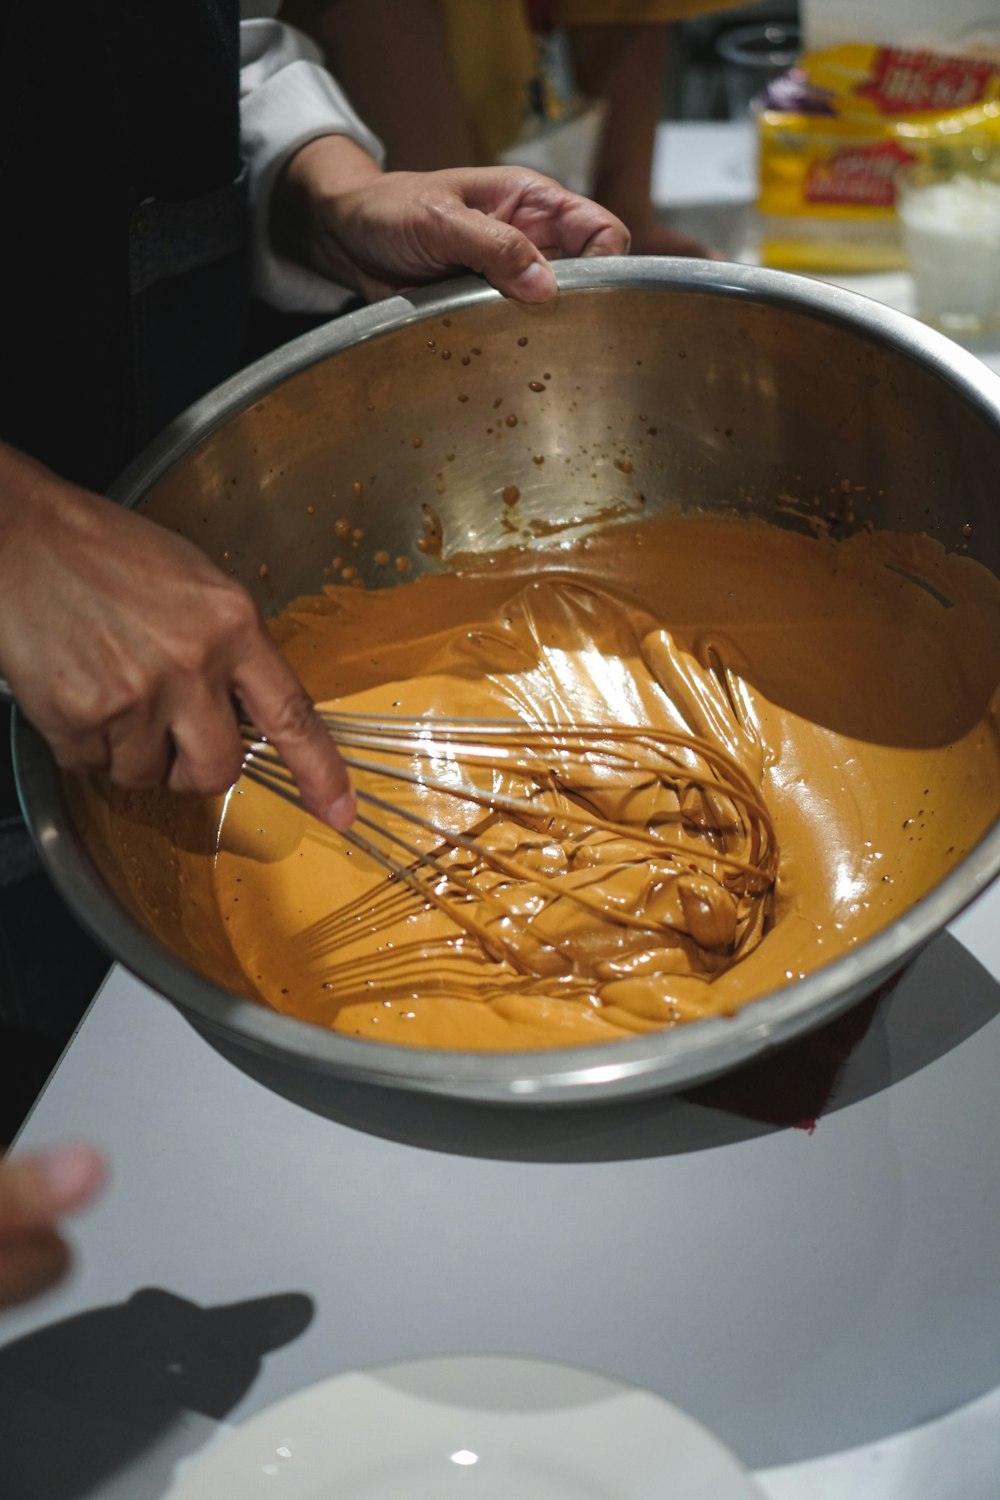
[476,1428]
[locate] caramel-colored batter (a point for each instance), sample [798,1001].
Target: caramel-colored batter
[854,684]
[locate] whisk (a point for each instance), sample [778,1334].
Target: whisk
[558,847]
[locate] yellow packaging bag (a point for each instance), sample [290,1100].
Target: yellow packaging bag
[828,163]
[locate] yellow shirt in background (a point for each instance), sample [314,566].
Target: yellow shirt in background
[611,12]
[494,57]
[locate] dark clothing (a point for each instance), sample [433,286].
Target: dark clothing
[124,228]
[124,280]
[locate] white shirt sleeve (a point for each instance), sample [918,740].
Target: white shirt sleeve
[287,98]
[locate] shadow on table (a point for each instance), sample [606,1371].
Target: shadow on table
[110,1400]
[944,998]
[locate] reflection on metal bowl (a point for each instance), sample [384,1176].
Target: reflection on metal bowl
[819,384]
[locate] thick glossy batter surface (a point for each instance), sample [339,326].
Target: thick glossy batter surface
[854,684]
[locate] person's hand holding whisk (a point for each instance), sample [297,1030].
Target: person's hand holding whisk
[133,654]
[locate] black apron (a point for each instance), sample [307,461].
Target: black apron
[124,223]
[124,228]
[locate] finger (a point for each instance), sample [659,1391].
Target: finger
[141,751]
[35,1190]
[582,228]
[499,251]
[550,216]
[606,239]
[536,283]
[85,752]
[276,704]
[545,210]
[208,748]
[31,1264]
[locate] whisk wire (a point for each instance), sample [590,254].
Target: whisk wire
[559,772]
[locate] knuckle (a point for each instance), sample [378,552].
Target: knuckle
[81,702]
[227,625]
[293,717]
[508,245]
[236,612]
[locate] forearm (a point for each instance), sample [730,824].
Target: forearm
[624,66]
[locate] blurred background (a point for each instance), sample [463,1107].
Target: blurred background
[719,61]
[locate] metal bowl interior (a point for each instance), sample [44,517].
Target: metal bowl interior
[649,385]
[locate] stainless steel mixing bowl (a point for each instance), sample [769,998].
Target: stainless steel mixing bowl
[649,384]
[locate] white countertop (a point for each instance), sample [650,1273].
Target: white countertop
[814,1299]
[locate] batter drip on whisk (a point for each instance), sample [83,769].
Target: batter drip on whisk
[801,796]
[589,846]
[551,854]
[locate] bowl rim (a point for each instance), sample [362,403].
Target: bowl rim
[659,1061]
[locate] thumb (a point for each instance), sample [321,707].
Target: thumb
[508,259]
[536,283]
[466,235]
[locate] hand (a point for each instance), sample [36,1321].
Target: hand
[126,648]
[35,1192]
[381,232]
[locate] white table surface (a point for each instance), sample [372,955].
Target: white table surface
[828,1304]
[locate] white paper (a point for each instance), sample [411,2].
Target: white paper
[704,161]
